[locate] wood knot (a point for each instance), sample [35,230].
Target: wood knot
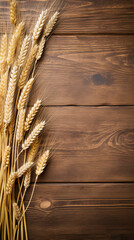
[45,204]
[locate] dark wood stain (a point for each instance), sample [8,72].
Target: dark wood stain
[87,190]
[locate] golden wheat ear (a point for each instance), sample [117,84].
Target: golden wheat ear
[41,163]
[27,67]
[50,24]
[13,12]
[39,25]
[10,182]
[10,96]
[23,51]
[25,94]
[33,135]
[20,128]
[16,211]
[32,114]
[6,158]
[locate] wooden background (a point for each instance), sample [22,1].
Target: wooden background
[87,191]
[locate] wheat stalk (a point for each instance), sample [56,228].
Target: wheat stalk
[32,114]
[10,96]
[41,163]
[24,94]
[27,67]
[33,135]
[50,24]
[39,25]
[23,169]
[23,51]
[13,12]
[20,129]
[16,211]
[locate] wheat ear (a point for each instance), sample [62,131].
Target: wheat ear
[3,53]
[6,157]
[24,94]
[27,67]
[13,12]
[33,135]
[10,182]
[41,48]
[20,128]
[3,84]
[10,96]
[27,179]
[23,169]
[16,211]
[32,114]
[41,163]
[39,25]
[30,158]
[13,43]
[23,51]
[50,24]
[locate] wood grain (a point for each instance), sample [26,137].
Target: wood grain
[92,144]
[85,17]
[87,70]
[82,212]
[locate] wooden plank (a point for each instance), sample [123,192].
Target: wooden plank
[82,212]
[92,144]
[86,16]
[87,70]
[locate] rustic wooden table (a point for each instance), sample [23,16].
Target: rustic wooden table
[87,191]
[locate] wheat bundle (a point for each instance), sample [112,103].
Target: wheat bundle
[19,130]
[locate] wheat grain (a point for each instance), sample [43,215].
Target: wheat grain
[39,25]
[41,48]
[20,129]
[3,53]
[10,96]
[23,169]
[16,210]
[23,51]
[27,179]
[10,182]
[32,114]
[41,163]
[33,135]
[24,94]
[27,67]
[6,158]
[13,12]
[50,24]
[13,43]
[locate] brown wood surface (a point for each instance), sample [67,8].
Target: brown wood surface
[93,144]
[81,16]
[87,190]
[87,70]
[82,212]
